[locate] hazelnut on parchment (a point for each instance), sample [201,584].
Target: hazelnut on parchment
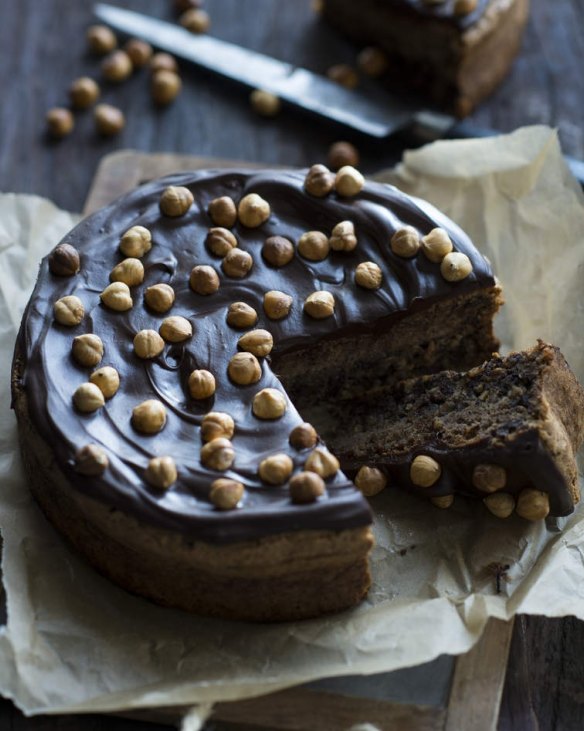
[223,211]
[64,260]
[278,251]
[91,460]
[87,349]
[455,266]
[149,417]
[136,242]
[237,263]
[204,280]
[220,241]
[306,487]
[176,200]
[322,462]
[253,210]
[69,310]
[83,92]
[349,181]
[159,297]
[341,154]
[368,275]
[276,469]
[277,305]
[489,477]
[109,120]
[101,39]
[241,315]
[218,454]
[269,404]
[163,62]
[107,379]
[320,305]
[195,20]
[500,504]
[148,344]
[436,245]
[343,237]
[88,398]
[533,504]
[319,181]
[424,471]
[117,66]
[370,481]
[139,51]
[175,329]
[226,494]
[217,424]
[372,61]
[303,436]
[116,296]
[161,472]
[313,245]
[165,86]
[130,271]
[265,103]
[259,342]
[405,242]
[201,384]
[244,369]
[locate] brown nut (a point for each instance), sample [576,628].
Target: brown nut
[107,379]
[201,384]
[533,504]
[237,263]
[277,305]
[136,242]
[313,245]
[161,472]
[278,251]
[253,210]
[69,310]
[424,471]
[368,275]
[349,181]
[370,481]
[265,103]
[218,454]
[60,122]
[489,477]
[88,398]
[303,436]
[223,211]
[101,39]
[405,242]
[195,20]
[91,460]
[320,305]
[464,7]
[117,66]
[343,237]
[319,181]
[139,52]
[500,504]
[165,86]
[108,120]
[87,349]
[372,61]
[240,315]
[455,266]
[216,424]
[175,329]
[322,462]
[436,245]
[442,501]
[306,487]
[276,469]
[116,296]
[182,5]
[163,62]
[258,342]
[269,404]
[344,75]
[176,201]
[149,417]
[244,369]
[130,271]
[64,260]
[148,344]
[220,241]
[204,280]
[159,297]
[83,92]
[341,154]
[226,494]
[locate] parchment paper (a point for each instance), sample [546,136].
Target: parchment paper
[74,642]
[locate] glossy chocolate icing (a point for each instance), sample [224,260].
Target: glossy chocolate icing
[50,375]
[442,11]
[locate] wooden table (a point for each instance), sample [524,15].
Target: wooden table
[42,50]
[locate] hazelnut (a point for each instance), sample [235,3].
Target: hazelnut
[201,384]
[101,39]
[253,210]
[240,315]
[204,280]
[69,310]
[161,472]
[265,103]
[91,460]
[303,436]
[226,494]
[343,74]
[117,66]
[216,424]
[278,251]
[195,20]
[130,271]
[108,120]
[83,92]
[455,266]
[60,122]
[405,242]
[370,481]
[269,404]
[88,398]
[139,52]
[163,62]
[322,462]
[220,241]
[237,263]
[218,454]
[464,7]
[116,296]
[276,469]
[258,342]
[442,501]
[319,181]
[313,245]
[533,504]
[176,201]
[372,61]
[159,297]
[501,504]
[489,477]
[306,487]
[343,237]
[107,379]
[149,417]
[277,304]
[320,305]
[136,242]
[87,349]
[223,211]
[424,471]
[175,329]
[182,5]
[244,369]
[349,181]
[368,275]
[436,245]
[165,86]
[341,154]
[148,344]
[64,260]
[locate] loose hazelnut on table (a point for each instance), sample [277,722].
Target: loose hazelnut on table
[201,384]
[258,342]
[107,379]
[91,460]
[372,61]
[64,260]
[455,266]
[244,369]
[69,310]
[101,39]
[220,241]
[464,7]
[182,5]
[163,62]
[237,263]
[161,472]
[88,398]
[269,404]
[344,75]
[139,52]
[349,181]
[116,67]
[241,315]
[223,211]
[136,242]
[368,275]
[195,20]
[405,242]
[343,237]
[276,469]
[370,481]
[322,462]
[226,494]
[159,297]
[176,201]
[204,280]
[306,487]
[500,504]
[303,436]
[87,350]
[442,501]
[149,417]
[436,245]
[165,86]
[116,296]
[265,103]
[489,477]
[218,454]
[60,122]
[175,329]
[533,504]
[320,305]
[341,154]
[313,245]
[130,271]
[216,424]
[253,210]
[278,251]
[424,471]
[83,92]
[109,120]
[277,305]
[148,344]
[319,181]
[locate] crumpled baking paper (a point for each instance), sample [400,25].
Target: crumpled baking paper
[74,642]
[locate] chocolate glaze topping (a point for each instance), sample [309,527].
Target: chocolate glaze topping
[442,11]
[50,375]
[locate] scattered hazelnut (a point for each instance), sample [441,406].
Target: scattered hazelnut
[226,494]
[320,304]
[489,477]
[533,504]
[218,454]
[176,201]
[204,280]
[201,384]
[159,297]
[148,344]
[424,471]
[349,181]
[372,61]
[436,245]
[278,251]
[117,66]
[501,504]
[265,103]
[258,342]
[220,241]
[87,349]
[182,5]
[64,260]
[175,329]
[303,436]
[107,379]
[253,210]
[341,154]
[269,404]
[161,472]
[109,120]
[276,469]
[343,237]
[139,52]
[313,245]
[368,275]
[60,122]
[83,92]
[455,266]
[136,242]
[101,39]
[240,315]
[117,297]
[88,398]
[464,7]
[442,501]
[322,462]
[319,181]
[277,304]
[237,263]
[69,310]
[306,487]
[195,20]
[149,417]
[130,271]
[244,369]
[163,62]
[216,424]
[165,86]
[405,242]
[343,74]
[370,481]
[91,460]
[223,211]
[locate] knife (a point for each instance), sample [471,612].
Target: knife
[375,115]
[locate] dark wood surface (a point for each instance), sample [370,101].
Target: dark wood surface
[42,49]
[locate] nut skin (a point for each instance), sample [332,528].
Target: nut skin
[533,504]
[424,471]
[368,275]
[69,311]
[159,297]
[176,329]
[216,424]
[319,181]
[269,404]
[344,75]
[276,469]
[223,211]
[218,454]
[83,92]
[370,481]
[237,263]
[464,7]
[161,472]
[303,436]
[88,398]
[163,62]
[130,271]
[436,245]
[319,305]
[265,103]
[176,200]
[220,241]
[91,460]
[136,242]
[240,315]
[349,181]
[109,120]
[455,266]
[278,251]
[107,379]
[253,210]
[60,122]
[204,280]
[101,39]
[244,369]
[226,494]
[442,501]
[64,260]
[165,86]
[306,487]
[489,477]
[149,417]
[322,462]
[139,52]
[372,61]
[201,384]
[117,66]
[87,350]
[116,296]
[148,344]
[257,342]
[277,305]
[343,237]
[405,242]
[500,504]
[341,154]
[195,20]
[314,246]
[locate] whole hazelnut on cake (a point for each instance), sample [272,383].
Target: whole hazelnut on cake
[117,296]
[204,280]
[241,315]
[201,384]
[226,494]
[136,242]
[258,342]
[161,472]
[217,424]
[148,344]
[306,487]
[276,469]
[278,251]
[176,200]
[253,210]
[223,211]
[277,305]
[220,241]
[107,379]
[319,181]
[91,460]
[244,369]
[319,305]
[149,417]
[349,181]
[87,350]
[69,311]
[64,260]
[159,297]
[218,454]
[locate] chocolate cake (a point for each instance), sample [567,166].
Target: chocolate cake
[456,51]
